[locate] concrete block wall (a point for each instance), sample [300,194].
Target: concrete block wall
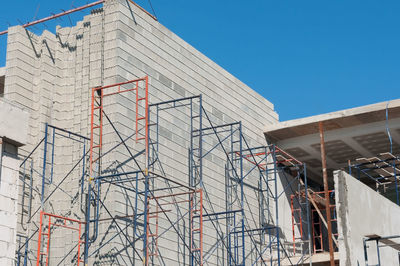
[12,135]
[52,76]
[8,203]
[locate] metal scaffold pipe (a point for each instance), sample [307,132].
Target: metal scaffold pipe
[57,15]
[326,192]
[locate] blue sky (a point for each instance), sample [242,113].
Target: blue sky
[307,57]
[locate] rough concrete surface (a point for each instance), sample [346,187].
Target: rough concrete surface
[361,212]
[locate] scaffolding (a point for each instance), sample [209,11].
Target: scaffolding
[129,205]
[41,183]
[318,219]
[128,202]
[381,242]
[55,221]
[380,172]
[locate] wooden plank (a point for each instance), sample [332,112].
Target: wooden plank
[386,241]
[319,212]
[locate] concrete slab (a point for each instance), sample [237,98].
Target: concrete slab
[334,120]
[349,134]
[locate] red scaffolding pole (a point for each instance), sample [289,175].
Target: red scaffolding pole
[296,222]
[96,127]
[64,13]
[57,15]
[316,213]
[195,219]
[326,190]
[48,235]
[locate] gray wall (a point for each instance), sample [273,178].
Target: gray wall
[360,212]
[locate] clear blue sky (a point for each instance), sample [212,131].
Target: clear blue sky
[307,57]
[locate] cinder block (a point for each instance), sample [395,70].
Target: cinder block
[7,261]
[7,234]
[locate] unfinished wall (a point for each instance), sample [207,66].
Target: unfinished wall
[8,203]
[52,76]
[360,212]
[12,135]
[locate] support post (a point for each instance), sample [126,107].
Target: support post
[56,15]
[39,239]
[396,182]
[365,252]
[44,165]
[242,192]
[87,226]
[326,191]
[276,205]
[308,213]
[377,252]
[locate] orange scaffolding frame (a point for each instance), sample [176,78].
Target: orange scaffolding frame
[48,234]
[317,232]
[97,104]
[317,235]
[196,211]
[295,211]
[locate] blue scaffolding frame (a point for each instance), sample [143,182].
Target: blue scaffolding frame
[147,174]
[232,225]
[382,170]
[387,241]
[237,231]
[29,168]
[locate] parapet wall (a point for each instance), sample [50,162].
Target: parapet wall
[363,212]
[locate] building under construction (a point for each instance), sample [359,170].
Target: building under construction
[121,144]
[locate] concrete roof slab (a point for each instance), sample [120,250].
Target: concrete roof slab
[335,120]
[349,134]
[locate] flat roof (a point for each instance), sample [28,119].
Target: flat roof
[335,120]
[350,134]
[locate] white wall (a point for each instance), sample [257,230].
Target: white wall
[8,204]
[361,211]
[13,129]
